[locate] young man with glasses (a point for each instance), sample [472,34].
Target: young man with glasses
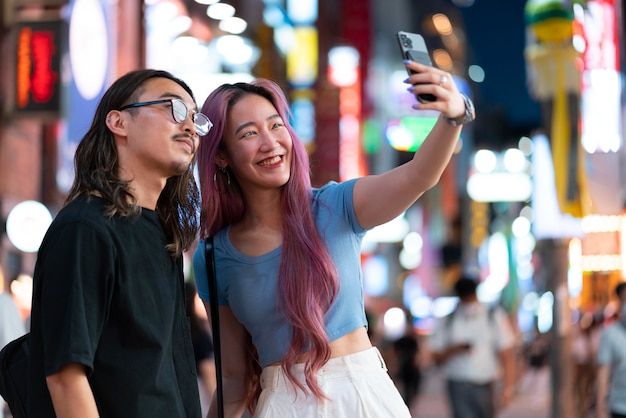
[109,332]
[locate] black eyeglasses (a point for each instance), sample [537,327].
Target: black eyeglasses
[180,112]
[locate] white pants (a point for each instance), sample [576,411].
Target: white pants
[357,385]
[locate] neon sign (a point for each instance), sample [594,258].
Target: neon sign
[37,72]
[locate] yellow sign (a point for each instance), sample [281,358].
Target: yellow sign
[302,59]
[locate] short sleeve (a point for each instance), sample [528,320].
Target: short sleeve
[199,272]
[506,337]
[78,292]
[437,340]
[338,198]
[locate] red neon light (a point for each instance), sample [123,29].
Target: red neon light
[36,79]
[601,36]
[351,163]
[43,79]
[23,67]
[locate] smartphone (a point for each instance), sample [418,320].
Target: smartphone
[413,47]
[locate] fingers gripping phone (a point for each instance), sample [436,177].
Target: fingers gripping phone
[413,47]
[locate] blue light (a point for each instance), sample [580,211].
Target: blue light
[376,275]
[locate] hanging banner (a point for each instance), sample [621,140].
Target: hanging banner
[554,78]
[601,91]
[601,84]
[91,52]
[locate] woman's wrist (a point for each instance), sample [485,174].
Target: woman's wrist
[468,116]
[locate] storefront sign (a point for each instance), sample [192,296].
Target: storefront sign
[38,67]
[20,3]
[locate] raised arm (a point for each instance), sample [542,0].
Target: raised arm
[233,350]
[380,198]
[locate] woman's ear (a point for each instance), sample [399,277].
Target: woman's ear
[220,161]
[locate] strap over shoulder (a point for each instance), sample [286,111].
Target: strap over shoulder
[209,258]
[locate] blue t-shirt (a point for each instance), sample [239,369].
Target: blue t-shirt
[611,353]
[248,284]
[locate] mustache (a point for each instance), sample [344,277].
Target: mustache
[191,138]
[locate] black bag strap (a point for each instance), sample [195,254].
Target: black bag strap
[209,258]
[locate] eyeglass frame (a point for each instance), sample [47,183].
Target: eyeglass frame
[193,115]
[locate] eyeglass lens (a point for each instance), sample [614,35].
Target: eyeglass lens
[179,110]
[200,121]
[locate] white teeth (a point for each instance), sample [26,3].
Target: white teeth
[270,161]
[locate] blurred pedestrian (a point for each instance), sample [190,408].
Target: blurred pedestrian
[472,345]
[109,332]
[21,289]
[407,373]
[584,351]
[611,377]
[288,255]
[202,343]
[538,351]
[11,324]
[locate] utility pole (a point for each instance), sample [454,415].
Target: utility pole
[554,255]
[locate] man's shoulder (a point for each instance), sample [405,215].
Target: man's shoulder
[479,309]
[91,207]
[615,330]
[78,215]
[611,344]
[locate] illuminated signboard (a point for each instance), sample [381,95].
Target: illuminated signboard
[302,60]
[38,67]
[409,132]
[601,81]
[20,3]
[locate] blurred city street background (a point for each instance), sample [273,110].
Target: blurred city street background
[532,202]
[531,400]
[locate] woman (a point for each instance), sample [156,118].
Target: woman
[291,308]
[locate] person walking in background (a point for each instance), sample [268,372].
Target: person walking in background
[407,373]
[584,352]
[202,347]
[473,344]
[288,255]
[109,332]
[611,360]
[11,323]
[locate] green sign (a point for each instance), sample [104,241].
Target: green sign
[409,133]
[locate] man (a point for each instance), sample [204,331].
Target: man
[611,377]
[472,344]
[109,332]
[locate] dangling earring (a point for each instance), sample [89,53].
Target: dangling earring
[224,170]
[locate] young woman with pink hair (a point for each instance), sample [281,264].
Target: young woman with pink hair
[291,309]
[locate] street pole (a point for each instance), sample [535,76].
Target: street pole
[554,255]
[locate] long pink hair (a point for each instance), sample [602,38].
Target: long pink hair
[307,277]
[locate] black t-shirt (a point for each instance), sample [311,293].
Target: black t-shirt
[107,294]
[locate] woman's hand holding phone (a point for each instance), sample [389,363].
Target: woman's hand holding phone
[434,88]
[413,48]
[438,83]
